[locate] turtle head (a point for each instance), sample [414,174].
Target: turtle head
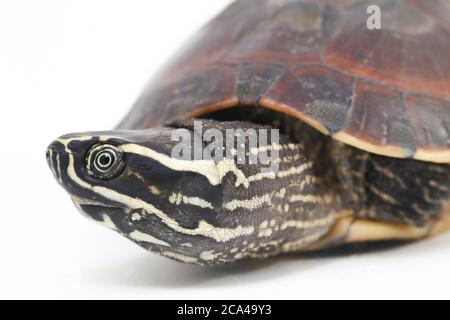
[129,182]
[171,199]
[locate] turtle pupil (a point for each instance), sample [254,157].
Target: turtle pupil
[105,160]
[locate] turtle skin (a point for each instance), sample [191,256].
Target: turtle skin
[384,91]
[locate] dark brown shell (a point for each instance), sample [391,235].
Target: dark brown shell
[385,91]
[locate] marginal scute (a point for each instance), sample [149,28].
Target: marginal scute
[430,120]
[320,95]
[379,120]
[209,87]
[255,79]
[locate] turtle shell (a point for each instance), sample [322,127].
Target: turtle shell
[385,91]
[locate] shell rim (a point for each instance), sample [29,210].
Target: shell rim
[436,155]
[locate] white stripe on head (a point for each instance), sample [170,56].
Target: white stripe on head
[206,168]
[179,257]
[107,222]
[143,237]
[204,229]
[66,141]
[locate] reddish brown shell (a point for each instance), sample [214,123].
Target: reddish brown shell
[386,91]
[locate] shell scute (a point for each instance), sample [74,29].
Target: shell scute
[430,120]
[319,95]
[293,34]
[379,119]
[255,79]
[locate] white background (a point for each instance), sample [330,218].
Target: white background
[79,65]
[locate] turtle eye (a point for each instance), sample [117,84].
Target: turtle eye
[105,161]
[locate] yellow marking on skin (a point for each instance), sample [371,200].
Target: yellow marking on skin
[265,233]
[196,201]
[443,224]
[310,198]
[175,198]
[336,233]
[261,176]
[153,189]
[286,159]
[264,230]
[300,244]
[58,167]
[438,186]
[273,147]
[143,237]
[386,197]
[295,170]
[309,224]
[250,204]
[388,173]
[52,165]
[428,198]
[209,255]
[179,257]
[419,210]
[280,174]
[263,255]
[136,217]
[306,181]
[178,198]
[187,245]
[281,193]
[358,174]
[240,255]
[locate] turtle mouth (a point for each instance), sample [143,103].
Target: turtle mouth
[110,216]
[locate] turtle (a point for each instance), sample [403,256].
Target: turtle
[359,124]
